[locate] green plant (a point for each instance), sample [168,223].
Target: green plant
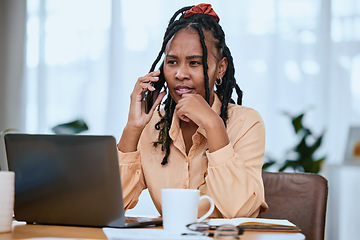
[302,156]
[73,127]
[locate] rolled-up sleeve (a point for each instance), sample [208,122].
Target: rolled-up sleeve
[234,172]
[132,177]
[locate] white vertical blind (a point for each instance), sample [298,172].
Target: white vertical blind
[67,63]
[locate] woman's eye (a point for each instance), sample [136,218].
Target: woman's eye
[195,63]
[171,62]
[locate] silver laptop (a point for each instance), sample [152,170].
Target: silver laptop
[68,180]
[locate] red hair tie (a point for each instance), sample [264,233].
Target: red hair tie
[202,8]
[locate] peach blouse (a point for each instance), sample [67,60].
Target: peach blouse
[231,176]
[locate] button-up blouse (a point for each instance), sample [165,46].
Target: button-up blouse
[231,176]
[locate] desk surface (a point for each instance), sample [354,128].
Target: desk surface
[25,231]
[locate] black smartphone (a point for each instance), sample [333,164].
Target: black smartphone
[150,96]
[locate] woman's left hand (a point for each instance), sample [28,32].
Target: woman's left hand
[193,107]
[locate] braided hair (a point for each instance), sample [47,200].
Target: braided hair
[199,23]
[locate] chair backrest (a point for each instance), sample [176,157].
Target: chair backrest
[298,197]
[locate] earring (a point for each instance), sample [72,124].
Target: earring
[218,81]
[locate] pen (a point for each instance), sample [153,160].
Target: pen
[197,234]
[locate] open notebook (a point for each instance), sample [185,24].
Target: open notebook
[68,180]
[257,224]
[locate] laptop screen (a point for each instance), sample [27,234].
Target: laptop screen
[66,179]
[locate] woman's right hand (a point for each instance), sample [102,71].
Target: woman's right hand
[137,117]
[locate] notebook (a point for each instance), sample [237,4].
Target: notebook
[68,180]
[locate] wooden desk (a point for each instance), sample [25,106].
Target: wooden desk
[26,231]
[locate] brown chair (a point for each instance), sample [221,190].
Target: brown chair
[298,197]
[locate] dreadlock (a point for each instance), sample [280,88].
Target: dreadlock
[200,23]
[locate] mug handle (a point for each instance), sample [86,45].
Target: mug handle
[212,207]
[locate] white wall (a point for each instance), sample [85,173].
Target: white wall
[12,43]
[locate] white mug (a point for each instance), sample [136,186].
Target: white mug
[7,182]
[180,207]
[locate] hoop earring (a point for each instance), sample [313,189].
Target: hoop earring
[218,81]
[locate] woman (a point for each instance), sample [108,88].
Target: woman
[199,140]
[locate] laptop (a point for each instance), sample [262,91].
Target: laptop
[68,180]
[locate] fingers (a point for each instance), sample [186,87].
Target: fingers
[143,84]
[193,107]
[181,111]
[146,86]
[184,118]
[137,116]
[150,77]
[157,101]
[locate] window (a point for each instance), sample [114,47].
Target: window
[67,62]
[83,58]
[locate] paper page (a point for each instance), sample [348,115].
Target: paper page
[147,234]
[53,238]
[238,221]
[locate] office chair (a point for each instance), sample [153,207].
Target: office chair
[300,198]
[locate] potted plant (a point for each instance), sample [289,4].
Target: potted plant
[301,157]
[73,127]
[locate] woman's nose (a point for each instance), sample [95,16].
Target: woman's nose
[182,73]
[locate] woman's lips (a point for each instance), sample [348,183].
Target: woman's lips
[182,90]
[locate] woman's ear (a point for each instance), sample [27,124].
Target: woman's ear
[222,67]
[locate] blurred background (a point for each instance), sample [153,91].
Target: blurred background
[62,60]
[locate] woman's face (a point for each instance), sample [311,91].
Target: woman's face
[183,65]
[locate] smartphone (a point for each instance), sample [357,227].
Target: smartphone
[150,96]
